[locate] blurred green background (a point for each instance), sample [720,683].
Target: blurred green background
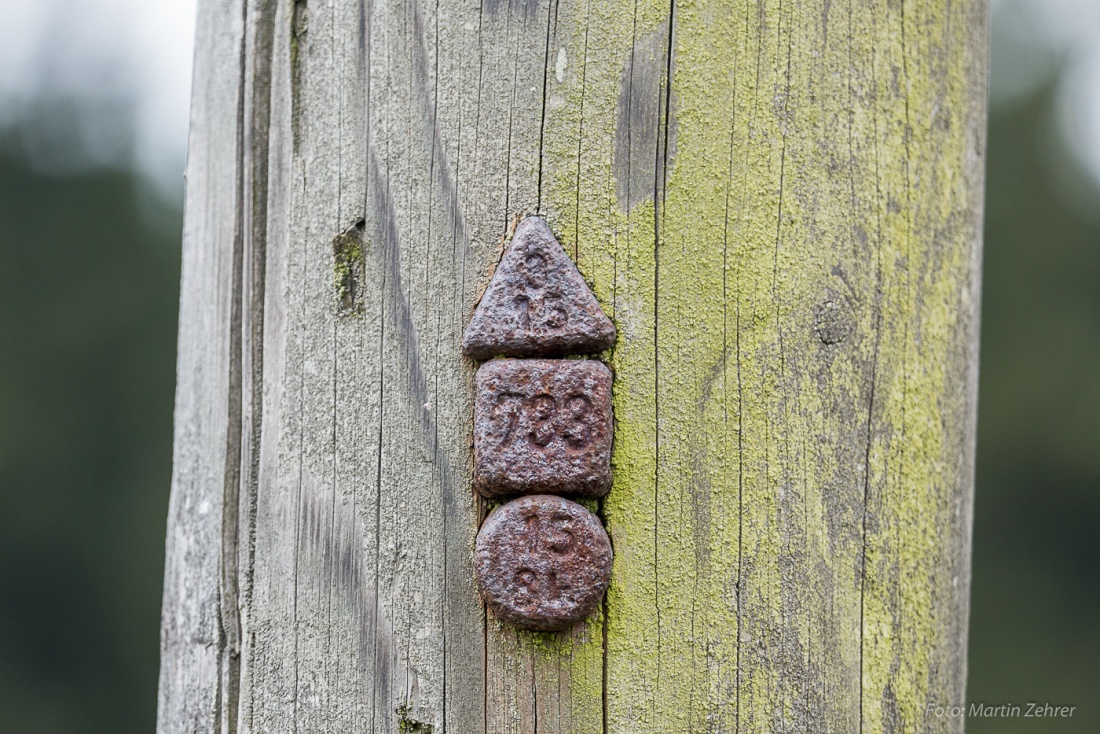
[88,298]
[89,279]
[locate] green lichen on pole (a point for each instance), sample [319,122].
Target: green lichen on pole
[791,259]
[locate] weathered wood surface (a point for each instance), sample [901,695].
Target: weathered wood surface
[778,203]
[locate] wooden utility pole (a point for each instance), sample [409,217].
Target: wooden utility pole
[778,204]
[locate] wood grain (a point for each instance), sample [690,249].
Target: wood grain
[779,205]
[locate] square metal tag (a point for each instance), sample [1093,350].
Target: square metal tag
[542,426]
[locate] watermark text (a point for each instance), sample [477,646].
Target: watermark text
[979,710]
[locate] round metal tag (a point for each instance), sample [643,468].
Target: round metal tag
[542,562]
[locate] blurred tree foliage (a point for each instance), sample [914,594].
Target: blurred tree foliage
[88,299]
[1035,613]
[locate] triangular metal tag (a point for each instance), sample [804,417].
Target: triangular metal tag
[537,304]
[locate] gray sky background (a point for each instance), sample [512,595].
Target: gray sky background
[107,82]
[103,82]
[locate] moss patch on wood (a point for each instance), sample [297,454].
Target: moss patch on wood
[347,268]
[406,724]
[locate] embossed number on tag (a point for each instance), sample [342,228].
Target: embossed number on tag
[542,426]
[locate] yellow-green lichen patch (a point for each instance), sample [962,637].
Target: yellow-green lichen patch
[615,251]
[791,300]
[919,476]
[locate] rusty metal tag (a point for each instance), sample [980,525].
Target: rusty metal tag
[542,426]
[542,562]
[537,304]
